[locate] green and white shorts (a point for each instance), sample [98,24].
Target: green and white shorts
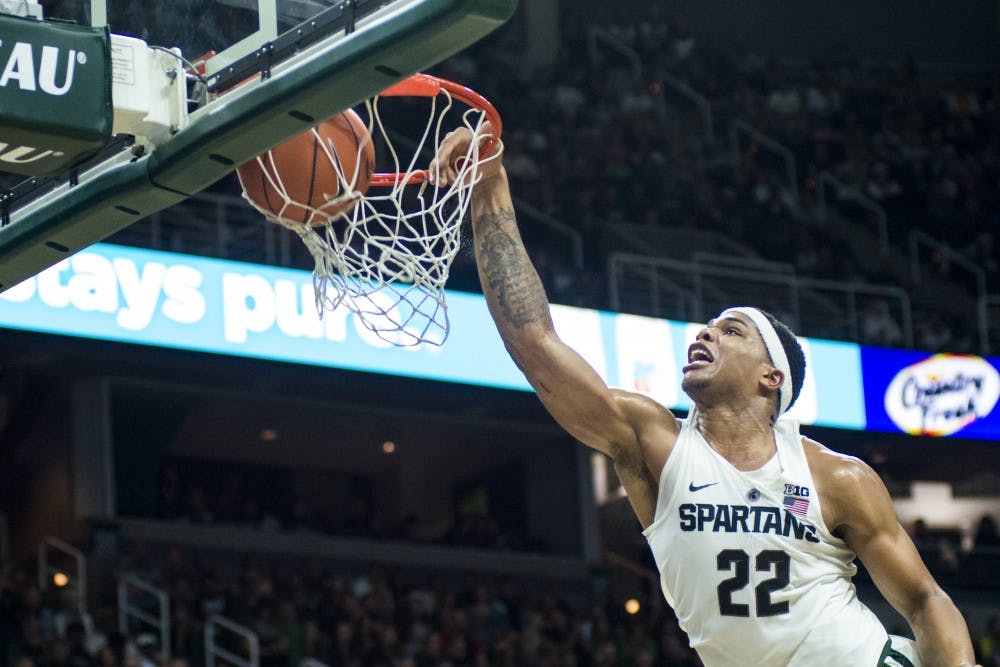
[899,652]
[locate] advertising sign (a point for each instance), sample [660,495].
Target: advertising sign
[249,310]
[55,94]
[932,394]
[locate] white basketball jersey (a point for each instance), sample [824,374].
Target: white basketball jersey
[748,564]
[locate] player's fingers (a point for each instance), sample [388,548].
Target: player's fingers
[454,144]
[487,129]
[434,175]
[441,172]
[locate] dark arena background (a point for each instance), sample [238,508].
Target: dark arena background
[176,502]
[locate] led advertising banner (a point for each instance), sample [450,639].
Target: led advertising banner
[233,308]
[932,394]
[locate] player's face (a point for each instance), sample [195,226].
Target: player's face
[726,357]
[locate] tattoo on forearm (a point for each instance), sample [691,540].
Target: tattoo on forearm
[509,272]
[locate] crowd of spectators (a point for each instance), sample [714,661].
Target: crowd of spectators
[960,560]
[372,618]
[258,498]
[346,615]
[593,140]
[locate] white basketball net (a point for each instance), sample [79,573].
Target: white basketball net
[387,259]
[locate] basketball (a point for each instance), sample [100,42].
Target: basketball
[298,180]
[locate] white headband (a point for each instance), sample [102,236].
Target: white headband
[774,348]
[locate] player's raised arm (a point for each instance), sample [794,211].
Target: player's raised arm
[615,422]
[869,526]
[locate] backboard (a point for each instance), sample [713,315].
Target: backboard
[254,73]
[231,29]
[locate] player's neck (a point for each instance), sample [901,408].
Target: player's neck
[743,437]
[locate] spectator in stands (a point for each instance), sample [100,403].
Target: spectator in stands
[878,326]
[274,647]
[142,651]
[315,643]
[8,616]
[59,653]
[984,254]
[987,534]
[199,510]
[988,644]
[921,535]
[76,636]
[170,499]
[359,520]
[107,657]
[933,333]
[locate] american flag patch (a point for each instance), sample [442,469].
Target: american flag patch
[796,505]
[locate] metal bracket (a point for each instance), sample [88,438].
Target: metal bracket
[5,203]
[351,16]
[266,54]
[341,16]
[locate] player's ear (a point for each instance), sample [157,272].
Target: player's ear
[772,378]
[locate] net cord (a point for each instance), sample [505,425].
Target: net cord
[385,259]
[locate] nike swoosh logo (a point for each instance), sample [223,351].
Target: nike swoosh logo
[692,487]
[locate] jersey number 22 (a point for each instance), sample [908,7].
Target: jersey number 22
[737,561]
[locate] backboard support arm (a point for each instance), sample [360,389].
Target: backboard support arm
[323,80]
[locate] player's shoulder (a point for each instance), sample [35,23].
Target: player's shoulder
[656,430]
[852,494]
[643,411]
[837,472]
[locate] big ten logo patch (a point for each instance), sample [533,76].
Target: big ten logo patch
[795,490]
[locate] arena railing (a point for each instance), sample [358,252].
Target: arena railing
[312,662]
[846,192]
[684,89]
[560,228]
[72,578]
[215,625]
[665,295]
[574,237]
[4,542]
[132,607]
[699,289]
[596,35]
[225,226]
[352,550]
[741,127]
[628,577]
[818,301]
[709,265]
[214,225]
[949,255]
[990,307]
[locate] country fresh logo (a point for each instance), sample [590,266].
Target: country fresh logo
[942,394]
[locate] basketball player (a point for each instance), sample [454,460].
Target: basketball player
[753,527]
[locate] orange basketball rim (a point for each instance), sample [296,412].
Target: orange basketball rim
[425,85]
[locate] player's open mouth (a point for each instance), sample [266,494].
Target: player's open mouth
[698,355]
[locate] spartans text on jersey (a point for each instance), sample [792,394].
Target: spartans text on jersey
[706,517]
